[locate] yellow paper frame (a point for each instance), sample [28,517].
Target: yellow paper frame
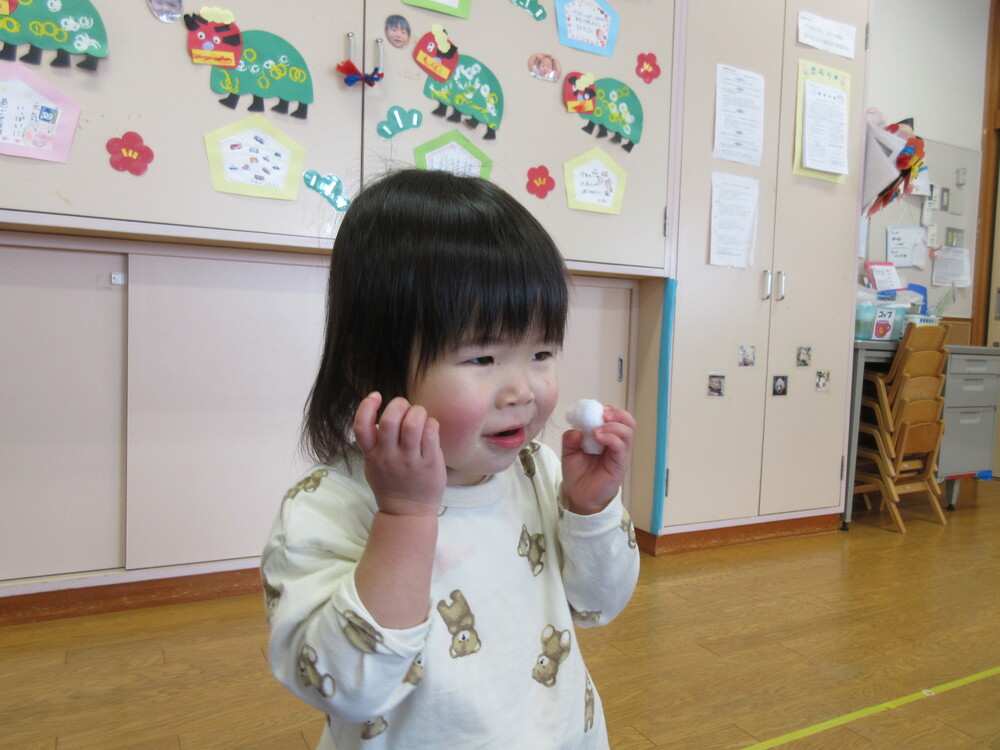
[293,174]
[828,76]
[575,202]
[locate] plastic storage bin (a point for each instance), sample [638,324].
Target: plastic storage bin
[880,322]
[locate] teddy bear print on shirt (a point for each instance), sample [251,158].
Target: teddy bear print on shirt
[310,676]
[361,633]
[461,624]
[555,649]
[532,546]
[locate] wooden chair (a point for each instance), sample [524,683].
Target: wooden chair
[916,338]
[882,411]
[905,410]
[912,470]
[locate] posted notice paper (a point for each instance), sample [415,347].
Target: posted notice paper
[734,220]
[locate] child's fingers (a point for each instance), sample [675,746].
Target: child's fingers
[390,423]
[430,441]
[365,431]
[612,414]
[411,429]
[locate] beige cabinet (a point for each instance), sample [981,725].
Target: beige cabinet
[180,376]
[62,412]
[757,451]
[535,128]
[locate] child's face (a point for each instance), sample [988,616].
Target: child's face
[545,66]
[398,36]
[490,401]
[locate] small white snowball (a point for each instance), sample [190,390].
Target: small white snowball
[586,415]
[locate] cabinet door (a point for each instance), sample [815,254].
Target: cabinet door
[714,443]
[596,355]
[62,412]
[222,354]
[535,128]
[149,85]
[815,249]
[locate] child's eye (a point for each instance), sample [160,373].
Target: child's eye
[539,356]
[486,360]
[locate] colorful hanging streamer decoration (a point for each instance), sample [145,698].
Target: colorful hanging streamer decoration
[352,75]
[909,162]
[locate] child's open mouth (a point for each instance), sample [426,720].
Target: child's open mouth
[508,439]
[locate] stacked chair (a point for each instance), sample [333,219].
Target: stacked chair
[901,423]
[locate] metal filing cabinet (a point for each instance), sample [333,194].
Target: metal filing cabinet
[970,405]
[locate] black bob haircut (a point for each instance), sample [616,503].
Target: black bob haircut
[424,262]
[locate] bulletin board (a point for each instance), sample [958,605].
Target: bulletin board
[148,85]
[953,218]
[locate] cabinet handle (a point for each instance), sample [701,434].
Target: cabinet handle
[381,54]
[767,285]
[621,369]
[350,45]
[782,278]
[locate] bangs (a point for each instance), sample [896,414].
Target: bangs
[499,294]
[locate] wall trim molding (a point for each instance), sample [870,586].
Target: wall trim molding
[94,600]
[690,541]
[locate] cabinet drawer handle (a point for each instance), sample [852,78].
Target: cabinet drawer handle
[767,285]
[782,278]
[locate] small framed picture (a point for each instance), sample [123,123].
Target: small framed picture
[716,385]
[779,385]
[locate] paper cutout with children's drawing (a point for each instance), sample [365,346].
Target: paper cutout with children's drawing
[70,27]
[129,153]
[453,152]
[617,110]
[473,91]
[329,186]
[533,7]
[460,8]
[595,182]
[253,62]
[397,120]
[821,122]
[253,157]
[579,92]
[588,25]
[436,54]
[37,120]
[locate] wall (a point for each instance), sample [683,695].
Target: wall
[927,60]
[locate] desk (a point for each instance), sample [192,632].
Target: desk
[875,352]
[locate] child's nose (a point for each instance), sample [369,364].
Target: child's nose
[517,390]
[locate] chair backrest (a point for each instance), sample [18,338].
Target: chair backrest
[918,388]
[916,338]
[921,410]
[924,362]
[917,447]
[924,336]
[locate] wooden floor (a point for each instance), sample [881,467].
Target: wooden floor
[721,648]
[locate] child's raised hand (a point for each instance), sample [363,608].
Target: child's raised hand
[591,481]
[404,464]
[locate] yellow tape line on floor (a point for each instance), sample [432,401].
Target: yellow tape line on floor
[847,718]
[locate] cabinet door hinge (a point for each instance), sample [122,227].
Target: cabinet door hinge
[843,462]
[666,220]
[666,482]
[868,34]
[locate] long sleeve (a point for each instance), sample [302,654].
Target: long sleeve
[324,646]
[599,554]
